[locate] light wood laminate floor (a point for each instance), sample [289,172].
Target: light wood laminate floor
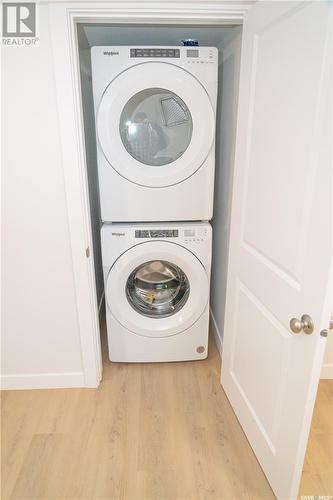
[149,432]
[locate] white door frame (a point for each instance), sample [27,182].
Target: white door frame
[63,20]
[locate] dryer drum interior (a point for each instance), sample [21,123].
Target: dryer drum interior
[156,126]
[157,289]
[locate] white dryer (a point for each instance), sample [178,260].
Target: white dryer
[157,280]
[155,127]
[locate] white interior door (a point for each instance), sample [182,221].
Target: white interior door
[281,232]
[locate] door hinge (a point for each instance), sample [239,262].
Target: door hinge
[87,252]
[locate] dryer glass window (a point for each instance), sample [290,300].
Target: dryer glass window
[156,127]
[157,289]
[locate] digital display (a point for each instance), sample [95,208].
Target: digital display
[148,52]
[192,53]
[156,233]
[189,232]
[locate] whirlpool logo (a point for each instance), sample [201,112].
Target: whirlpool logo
[111,53]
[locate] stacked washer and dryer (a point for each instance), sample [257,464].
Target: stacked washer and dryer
[155,126]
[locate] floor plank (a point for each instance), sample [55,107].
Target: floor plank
[317,478]
[149,432]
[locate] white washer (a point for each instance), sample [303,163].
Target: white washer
[157,290]
[155,128]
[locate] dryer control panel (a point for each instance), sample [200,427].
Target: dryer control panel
[154,52]
[189,54]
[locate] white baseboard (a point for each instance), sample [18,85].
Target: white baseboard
[327,371]
[42,381]
[216,332]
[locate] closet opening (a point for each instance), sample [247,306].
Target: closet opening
[227,40]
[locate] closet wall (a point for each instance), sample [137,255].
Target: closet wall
[225,146]
[327,370]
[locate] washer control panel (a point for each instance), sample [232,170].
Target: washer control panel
[156,233]
[188,235]
[194,236]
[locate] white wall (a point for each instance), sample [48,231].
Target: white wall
[40,336]
[225,145]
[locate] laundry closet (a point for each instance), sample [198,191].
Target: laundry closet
[216,63]
[270,269]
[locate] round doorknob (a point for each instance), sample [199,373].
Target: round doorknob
[305,324]
[296,325]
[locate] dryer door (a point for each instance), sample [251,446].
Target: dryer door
[155,124]
[157,289]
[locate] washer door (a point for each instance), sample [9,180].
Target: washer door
[155,124]
[157,289]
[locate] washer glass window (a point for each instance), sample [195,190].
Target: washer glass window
[157,289]
[156,126]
